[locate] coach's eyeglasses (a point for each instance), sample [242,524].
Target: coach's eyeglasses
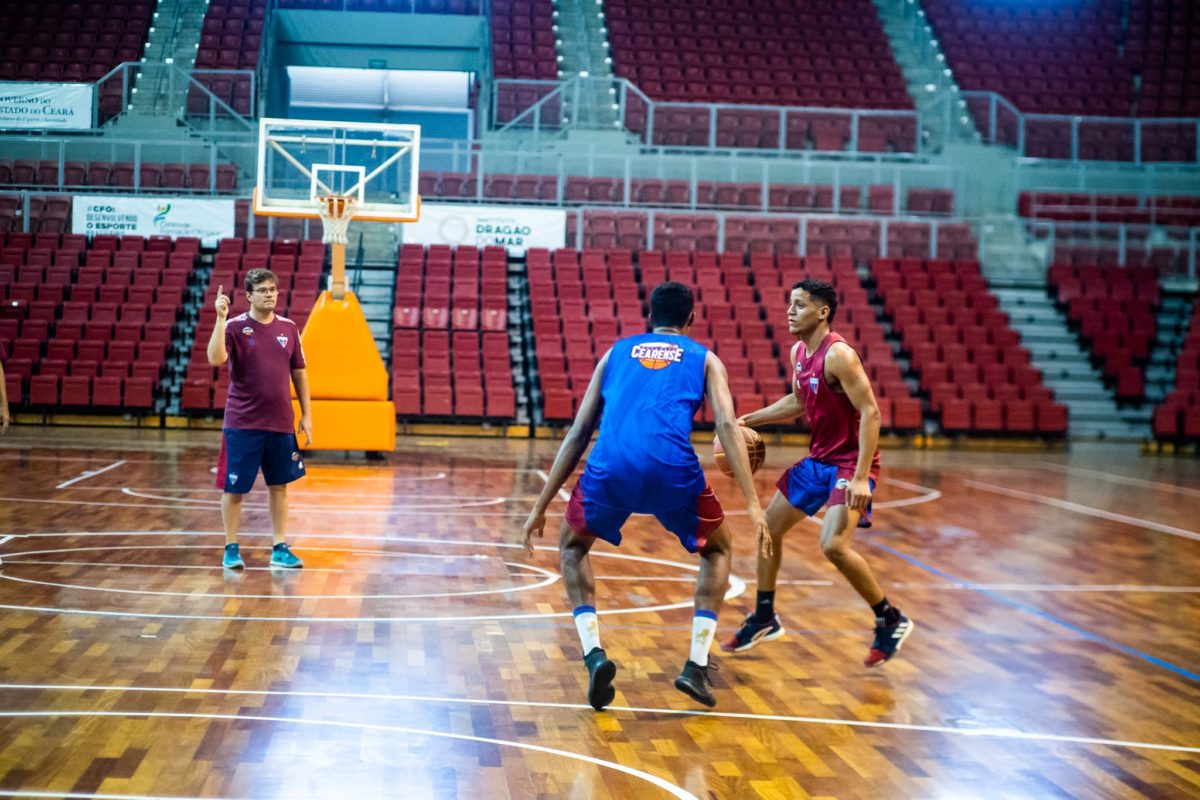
[266,290]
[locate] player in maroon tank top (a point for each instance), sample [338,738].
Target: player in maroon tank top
[830,387]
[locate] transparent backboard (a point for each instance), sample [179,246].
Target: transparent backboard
[301,160]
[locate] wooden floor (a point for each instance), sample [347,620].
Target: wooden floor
[419,655]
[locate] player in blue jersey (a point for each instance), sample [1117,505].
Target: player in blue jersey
[644,394]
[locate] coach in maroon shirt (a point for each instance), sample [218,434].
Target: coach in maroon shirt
[264,352]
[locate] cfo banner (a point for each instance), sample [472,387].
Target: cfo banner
[39,106]
[514,227]
[209,220]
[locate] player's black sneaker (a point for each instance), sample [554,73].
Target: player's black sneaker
[601,672]
[695,683]
[888,640]
[752,633]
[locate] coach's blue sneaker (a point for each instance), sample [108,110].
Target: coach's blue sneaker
[233,558]
[888,640]
[694,682]
[752,633]
[282,557]
[601,672]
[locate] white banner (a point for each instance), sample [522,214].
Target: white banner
[40,106]
[207,219]
[515,227]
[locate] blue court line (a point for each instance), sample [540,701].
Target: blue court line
[1037,612]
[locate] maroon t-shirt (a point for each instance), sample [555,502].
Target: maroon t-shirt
[833,418]
[261,360]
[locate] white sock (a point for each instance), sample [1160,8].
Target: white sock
[588,625]
[704,627]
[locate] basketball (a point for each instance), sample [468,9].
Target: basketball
[756,449]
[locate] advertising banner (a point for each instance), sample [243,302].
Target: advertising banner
[207,219]
[516,228]
[44,106]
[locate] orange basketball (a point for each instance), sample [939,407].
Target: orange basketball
[755,448]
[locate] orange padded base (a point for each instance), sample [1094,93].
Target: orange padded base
[343,361]
[351,425]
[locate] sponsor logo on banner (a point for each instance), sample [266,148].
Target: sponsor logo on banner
[206,219]
[42,106]
[657,355]
[515,228]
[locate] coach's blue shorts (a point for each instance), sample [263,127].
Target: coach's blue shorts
[811,485]
[693,522]
[244,453]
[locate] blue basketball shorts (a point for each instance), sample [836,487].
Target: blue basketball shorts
[244,453]
[812,485]
[693,522]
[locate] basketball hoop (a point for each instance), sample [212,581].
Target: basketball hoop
[336,211]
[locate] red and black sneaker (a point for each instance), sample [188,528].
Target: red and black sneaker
[888,640]
[752,633]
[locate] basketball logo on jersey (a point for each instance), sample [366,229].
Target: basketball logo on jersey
[282,340]
[657,355]
[813,383]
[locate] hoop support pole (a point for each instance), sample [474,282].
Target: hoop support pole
[337,286]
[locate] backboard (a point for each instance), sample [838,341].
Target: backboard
[302,160]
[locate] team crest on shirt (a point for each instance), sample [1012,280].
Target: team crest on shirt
[233,477]
[248,330]
[813,383]
[282,340]
[657,355]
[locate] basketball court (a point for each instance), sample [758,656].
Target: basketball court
[420,654]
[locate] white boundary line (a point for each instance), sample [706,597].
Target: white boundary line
[1115,478]
[1067,505]
[737,585]
[89,474]
[668,787]
[562,493]
[548,578]
[997,733]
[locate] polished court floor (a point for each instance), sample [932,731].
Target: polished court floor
[419,654]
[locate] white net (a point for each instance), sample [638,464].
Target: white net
[336,212]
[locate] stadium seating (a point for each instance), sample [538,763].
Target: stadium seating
[582,302]
[50,214]
[828,54]
[119,176]
[450,354]
[1112,310]
[968,358]
[1178,417]
[523,48]
[230,39]
[1078,61]
[90,327]
[70,41]
[403,6]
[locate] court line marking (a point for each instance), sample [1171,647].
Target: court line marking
[562,493]
[1078,508]
[92,795]
[356,509]
[1115,478]
[999,733]
[257,507]
[653,780]
[89,474]
[1040,614]
[548,578]
[737,585]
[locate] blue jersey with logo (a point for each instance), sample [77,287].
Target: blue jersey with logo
[643,460]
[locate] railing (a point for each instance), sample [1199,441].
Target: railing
[1172,251]
[549,108]
[1037,175]
[470,8]
[187,98]
[70,156]
[480,166]
[1069,138]
[938,246]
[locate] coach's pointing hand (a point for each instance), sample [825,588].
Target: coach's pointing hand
[222,303]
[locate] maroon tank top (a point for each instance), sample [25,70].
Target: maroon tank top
[833,418]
